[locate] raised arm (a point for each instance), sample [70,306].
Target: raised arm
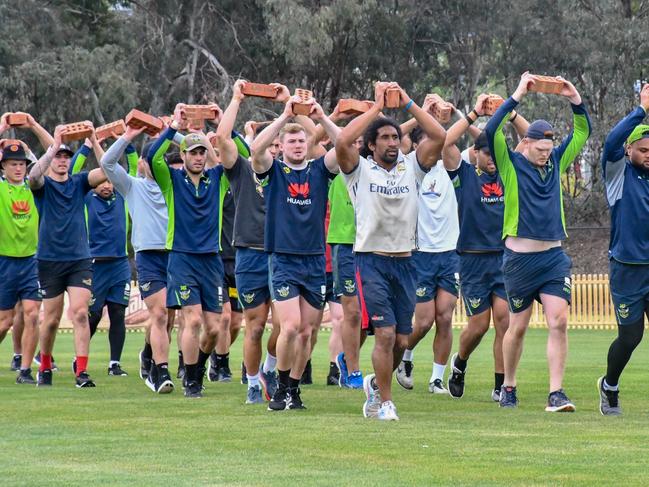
[332,131]
[110,161]
[430,149]
[227,147]
[261,160]
[37,173]
[41,134]
[347,154]
[570,147]
[451,154]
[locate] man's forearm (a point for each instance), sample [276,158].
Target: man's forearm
[332,130]
[266,137]
[37,173]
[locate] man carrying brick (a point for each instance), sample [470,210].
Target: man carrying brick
[534,264]
[64,262]
[383,184]
[625,164]
[295,192]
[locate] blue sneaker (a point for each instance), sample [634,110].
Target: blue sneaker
[269,382]
[342,367]
[355,380]
[508,397]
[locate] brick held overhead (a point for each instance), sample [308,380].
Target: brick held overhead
[138,119]
[259,90]
[302,108]
[77,131]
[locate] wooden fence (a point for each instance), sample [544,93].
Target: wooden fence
[592,307]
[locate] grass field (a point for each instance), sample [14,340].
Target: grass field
[122,434]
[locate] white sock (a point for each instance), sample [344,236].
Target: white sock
[610,388]
[113,362]
[407,355]
[253,380]
[438,372]
[269,363]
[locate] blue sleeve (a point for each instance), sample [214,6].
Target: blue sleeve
[614,144]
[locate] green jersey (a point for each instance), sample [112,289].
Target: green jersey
[342,220]
[18,220]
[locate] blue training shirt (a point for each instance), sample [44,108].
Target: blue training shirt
[296,204]
[106,225]
[627,194]
[62,234]
[481,206]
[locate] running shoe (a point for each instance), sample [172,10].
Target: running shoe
[15,362]
[145,366]
[307,378]
[193,390]
[558,402]
[495,395]
[269,382]
[342,368]
[456,380]
[355,380]
[25,377]
[44,378]
[437,387]
[117,370]
[508,397]
[404,374]
[388,412]
[84,380]
[254,395]
[294,399]
[280,399]
[609,404]
[244,374]
[372,397]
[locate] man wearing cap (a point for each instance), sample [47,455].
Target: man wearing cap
[625,165]
[18,267]
[534,264]
[194,197]
[481,203]
[64,262]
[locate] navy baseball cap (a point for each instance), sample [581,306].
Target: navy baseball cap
[66,149]
[481,142]
[14,151]
[539,130]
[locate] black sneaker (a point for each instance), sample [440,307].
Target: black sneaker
[508,397]
[294,399]
[180,374]
[159,380]
[84,380]
[609,404]
[558,402]
[280,399]
[456,380]
[307,378]
[200,376]
[193,390]
[44,378]
[37,361]
[25,377]
[145,365]
[116,369]
[15,362]
[333,377]
[224,374]
[244,374]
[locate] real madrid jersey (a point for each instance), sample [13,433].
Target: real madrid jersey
[385,203]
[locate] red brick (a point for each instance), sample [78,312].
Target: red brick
[302,108]
[77,131]
[113,129]
[138,119]
[440,109]
[350,106]
[492,103]
[546,84]
[392,98]
[259,90]
[200,112]
[16,119]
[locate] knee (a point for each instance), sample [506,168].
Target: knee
[401,342]
[558,324]
[5,324]
[31,317]
[353,316]
[255,332]
[631,335]
[79,315]
[290,329]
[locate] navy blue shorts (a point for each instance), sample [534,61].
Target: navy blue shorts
[386,286]
[630,290]
[19,281]
[436,270]
[55,276]
[111,283]
[298,275]
[530,274]
[151,271]
[195,279]
[481,276]
[330,295]
[251,272]
[344,271]
[230,285]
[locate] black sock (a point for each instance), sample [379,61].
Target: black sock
[191,372]
[117,330]
[293,383]
[202,358]
[223,360]
[619,353]
[333,368]
[181,362]
[459,363]
[147,352]
[283,377]
[498,380]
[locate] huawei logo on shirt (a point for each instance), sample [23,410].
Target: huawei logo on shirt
[492,192]
[298,194]
[20,209]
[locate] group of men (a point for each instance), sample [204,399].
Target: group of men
[384,221]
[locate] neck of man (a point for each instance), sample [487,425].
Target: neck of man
[59,178]
[295,164]
[195,177]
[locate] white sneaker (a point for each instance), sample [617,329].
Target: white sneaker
[437,387]
[404,374]
[388,412]
[373,398]
[495,395]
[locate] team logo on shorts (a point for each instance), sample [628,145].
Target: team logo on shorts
[248,297]
[376,318]
[350,285]
[283,291]
[145,286]
[623,311]
[92,301]
[517,302]
[127,291]
[474,302]
[87,282]
[567,285]
[421,292]
[184,293]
